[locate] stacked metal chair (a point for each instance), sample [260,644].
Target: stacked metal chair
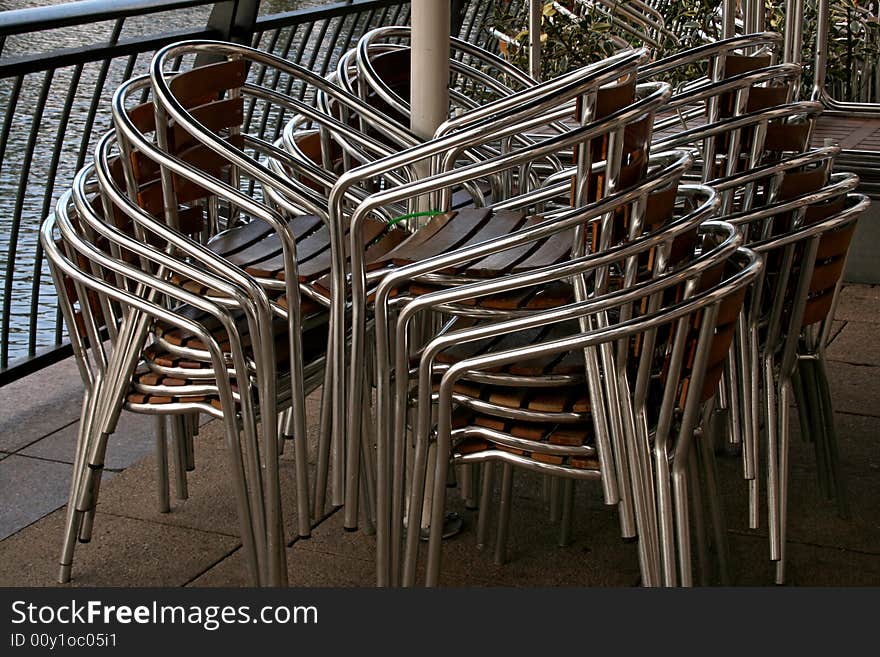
[128,278]
[308,262]
[801,222]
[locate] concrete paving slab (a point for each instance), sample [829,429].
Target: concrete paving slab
[806,565]
[123,552]
[39,404]
[597,556]
[856,344]
[132,441]
[210,506]
[30,488]
[854,388]
[859,303]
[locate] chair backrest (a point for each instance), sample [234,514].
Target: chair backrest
[805,254]
[86,250]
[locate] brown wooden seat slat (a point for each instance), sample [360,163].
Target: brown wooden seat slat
[265,258]
[797,183]
[550,251]
[570,435]
[216,116]
[549,296]
[202,84]
[737,64]
[818,212]
[507,397]
[248,235]
[442,233]
[835,243]
[319,265]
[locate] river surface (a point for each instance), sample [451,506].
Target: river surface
[28,163]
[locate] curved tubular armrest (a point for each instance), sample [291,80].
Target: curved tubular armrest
[791,162]
[790,110]
[840,184]
[368,43]
[143,307]
[164,94]
[236,295]
[771,40]
[741,81]
[856,205]
[607,70]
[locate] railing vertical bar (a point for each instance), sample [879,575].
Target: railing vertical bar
[17,212]
[7,120]
[47,201]
[96,99]
[314,55]
[330,52]
[259,79]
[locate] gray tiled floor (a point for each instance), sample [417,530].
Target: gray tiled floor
[197,545]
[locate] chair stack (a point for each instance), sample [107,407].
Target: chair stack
[572,277]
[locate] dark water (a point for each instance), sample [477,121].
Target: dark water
[36,133]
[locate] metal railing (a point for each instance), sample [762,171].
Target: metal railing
[59,66]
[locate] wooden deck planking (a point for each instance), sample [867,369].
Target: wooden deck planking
[850,133]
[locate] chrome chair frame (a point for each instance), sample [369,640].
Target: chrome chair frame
[649,558]
[105,401]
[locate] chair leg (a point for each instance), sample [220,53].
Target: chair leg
[500,557]
[322,469]
[178,435]
[88,497]
[485,503]
[784,428]
[755,432]
[554,510]
[189,443]
[300,457]
[162,482]
[73,516]
[414,512]
[697,517]
[816,425]
[367,482]
[772,429]
[838,478]
[252,532]
[666,519]
[716,508]
[565,529]
[682,516]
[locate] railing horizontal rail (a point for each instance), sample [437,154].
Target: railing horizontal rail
[33,19]
[74,56]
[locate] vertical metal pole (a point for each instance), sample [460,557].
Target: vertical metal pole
[728,28]
[821,51]
[535,7]
[430,66]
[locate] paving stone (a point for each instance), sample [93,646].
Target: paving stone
[811,517]
[854,388]
[123,552]
[856,344]
[210,506]
[29,489]
[859,303]
[806,565]
[132,441]
[39,404]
